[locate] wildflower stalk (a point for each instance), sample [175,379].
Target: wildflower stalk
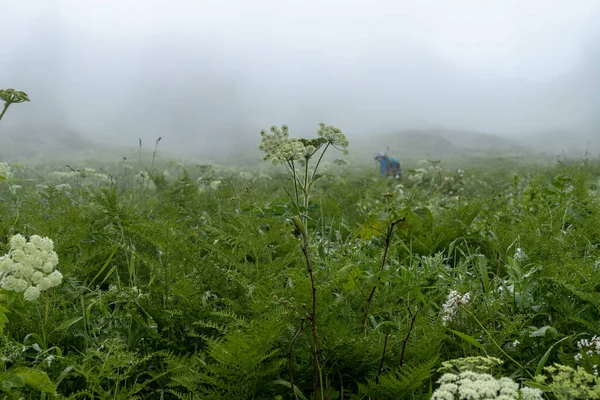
[289,356]
[154,153]
[388,239]
[497,345]
[4,109]
[281,149]
[385,340]
[312,315]
[412,324]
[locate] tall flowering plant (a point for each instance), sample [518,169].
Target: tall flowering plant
[296,156]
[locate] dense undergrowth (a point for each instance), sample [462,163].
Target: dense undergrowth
[184,281]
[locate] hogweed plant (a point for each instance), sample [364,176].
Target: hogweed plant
[11,96]
[296,155]
[29,268]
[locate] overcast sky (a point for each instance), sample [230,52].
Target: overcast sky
[201,71]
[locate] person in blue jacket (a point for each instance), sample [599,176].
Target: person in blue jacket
[389,166]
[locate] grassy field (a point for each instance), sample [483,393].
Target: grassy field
[473,275]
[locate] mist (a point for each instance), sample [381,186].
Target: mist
[207,76]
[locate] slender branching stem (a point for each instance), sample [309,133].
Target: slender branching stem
[497,345]
[289,356]
[4,109]
[312,315]
[306,193]
[412,324]
[387,335]
[319,162]
[388,240]
[293,168]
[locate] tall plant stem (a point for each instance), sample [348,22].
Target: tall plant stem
[319,162]
[306,194]
[293,169]
[412,324]
[388,240]
[289,357]
[387,335]
[4,110]
[311,316]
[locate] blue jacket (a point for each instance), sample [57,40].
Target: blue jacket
[389,163]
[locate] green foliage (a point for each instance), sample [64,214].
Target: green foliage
[196,286]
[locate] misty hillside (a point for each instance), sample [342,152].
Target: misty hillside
[35,140]
[563,141]
[437,143]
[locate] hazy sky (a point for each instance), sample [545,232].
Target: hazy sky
[200,71]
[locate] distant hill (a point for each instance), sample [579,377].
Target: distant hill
[563,141]
[33,140]
[429,143]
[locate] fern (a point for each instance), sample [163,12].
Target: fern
[405,383]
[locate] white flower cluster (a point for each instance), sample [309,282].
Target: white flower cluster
[334,136]
[5,170]
[418,175]
[588,347]
[29,266]
[451,305]
[474,386]
[279,147]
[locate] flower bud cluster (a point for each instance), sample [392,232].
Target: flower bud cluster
[29,266]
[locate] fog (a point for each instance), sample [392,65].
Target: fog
[207,75]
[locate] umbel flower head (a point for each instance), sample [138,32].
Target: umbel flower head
[280,148]
[29,266]
[473,385]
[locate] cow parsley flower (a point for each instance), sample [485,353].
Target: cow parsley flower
[29,266]
[473,385]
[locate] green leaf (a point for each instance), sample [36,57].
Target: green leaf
[23,376]
[104,266]
[544,331]
[67,324]
[289,385]
[544,359]
[3,318]
[468,339]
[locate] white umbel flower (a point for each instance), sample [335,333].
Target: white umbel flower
[472,385]
[29,266]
